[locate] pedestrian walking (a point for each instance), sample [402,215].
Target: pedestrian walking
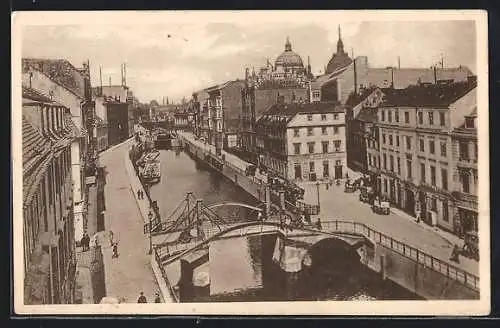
[115,251]
[142,298]
[138,194]
[259,217]
[318,224]
[455,254]
[157,298]
[417,213]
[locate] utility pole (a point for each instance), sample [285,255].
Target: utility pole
[317,192]
[100,80]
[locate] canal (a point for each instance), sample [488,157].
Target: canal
[181,174]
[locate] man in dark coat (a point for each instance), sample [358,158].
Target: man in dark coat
[142,298]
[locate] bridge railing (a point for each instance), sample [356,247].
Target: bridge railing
[406,250]
[164,275]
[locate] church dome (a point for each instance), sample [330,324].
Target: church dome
[288,57]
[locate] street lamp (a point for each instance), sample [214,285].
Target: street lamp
[317,192]
[150,217]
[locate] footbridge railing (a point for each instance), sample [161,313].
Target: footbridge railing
[169,253]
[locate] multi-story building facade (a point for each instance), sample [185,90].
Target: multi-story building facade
[200,107]
[48,218]
[303,141]
[415,158]
[224,108]
[361,113]
[60,81]
[465,174]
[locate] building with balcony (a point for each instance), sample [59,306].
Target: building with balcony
[361,114]
[415,162]
[465,174]
[48,217]
[223,112]
[59,81]
[202,126]
[303,141]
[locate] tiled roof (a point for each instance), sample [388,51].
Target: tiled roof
[318,82]
[59,70]
[34,143]
[356,98]
[32,94]
[295,108]
[428,95]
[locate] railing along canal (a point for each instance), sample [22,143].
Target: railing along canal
[345,227]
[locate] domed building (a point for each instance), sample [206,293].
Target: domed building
[288,71]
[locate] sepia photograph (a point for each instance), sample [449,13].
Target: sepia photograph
[251,163]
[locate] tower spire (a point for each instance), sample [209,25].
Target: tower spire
[340,44]
[288,45]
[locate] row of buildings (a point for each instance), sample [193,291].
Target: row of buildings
[65,125]
[307,128]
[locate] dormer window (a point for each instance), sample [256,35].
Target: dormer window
[469,123]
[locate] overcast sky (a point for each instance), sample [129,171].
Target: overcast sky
[201,54]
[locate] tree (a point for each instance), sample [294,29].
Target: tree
[154,103]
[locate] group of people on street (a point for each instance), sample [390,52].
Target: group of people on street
[140,194]
[85,242]
[143,299]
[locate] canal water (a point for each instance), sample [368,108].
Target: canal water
[245,269]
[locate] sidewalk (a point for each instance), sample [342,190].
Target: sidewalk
[131,272]
[143,206]
[83,280]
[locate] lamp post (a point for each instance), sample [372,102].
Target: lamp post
[150,217]
[317,192]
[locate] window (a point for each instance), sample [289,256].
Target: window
[335,116]
[396,116]
[309,117]
[408,142]
[385,185]
[323,130]
[469,123]
[335,130]
[385,161]
[389,116]
[336,144]
[316,94]
[326,169]
[324,144]
[443,149]
[399,165]
[296,132]
[433,175]
[390,139]
[391,163]
[475,151]
[465,182]
[422,172]
[310,146]
[370,159]
[309,131]
[434,204]
[323,117]
[420,118]
[431,118]
[441,119]
[464,150]
[431,146]
[421,143]
[382,113]
[383,138]
[397,141]
[408,169]
[311,166]
[444,179]
[446,214]
[296,148]
[407,117]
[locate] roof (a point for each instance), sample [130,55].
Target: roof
[60,71]
[320,80]
[34,143]
[356,98]
[291,109]
[223,85]
[428,95]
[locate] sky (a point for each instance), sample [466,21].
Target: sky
[174,58]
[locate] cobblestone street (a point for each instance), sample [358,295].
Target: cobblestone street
[337,205]
[131,272]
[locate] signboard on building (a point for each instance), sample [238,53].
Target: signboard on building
[232,140]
